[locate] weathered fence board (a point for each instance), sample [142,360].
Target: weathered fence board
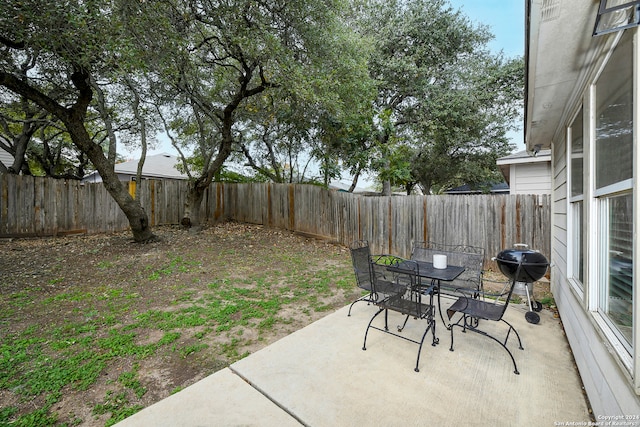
[31,206]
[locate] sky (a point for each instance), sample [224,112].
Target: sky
[505,19]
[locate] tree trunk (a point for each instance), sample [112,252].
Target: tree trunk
[409,188]
[74,121]
[386,187]
[143,136]
[135,213]
[354,181]
[384,142]
[108,124]
[197,188]
[191,218]
[21,149]
[21,143]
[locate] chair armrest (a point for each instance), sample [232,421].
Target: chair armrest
[428,290]
[385,259]
[380,262]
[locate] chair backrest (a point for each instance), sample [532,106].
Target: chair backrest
[388,281]
[469,257]
[360,256]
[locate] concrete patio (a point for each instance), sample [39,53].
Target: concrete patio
[320,376]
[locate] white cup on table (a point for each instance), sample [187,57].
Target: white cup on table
[440,261]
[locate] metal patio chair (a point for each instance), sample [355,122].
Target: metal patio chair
[489,308]
[405,296]
[467,256]
[366,272]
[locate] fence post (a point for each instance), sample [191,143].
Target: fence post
[292,207]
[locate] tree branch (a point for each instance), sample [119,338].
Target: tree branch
[11,43]
[19,86]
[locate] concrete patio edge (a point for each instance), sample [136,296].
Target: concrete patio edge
[320,376]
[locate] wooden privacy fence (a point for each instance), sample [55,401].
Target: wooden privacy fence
[35,206]
[40,206]
[392,224]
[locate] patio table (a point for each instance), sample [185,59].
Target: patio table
[428,271]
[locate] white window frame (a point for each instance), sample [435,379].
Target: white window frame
[572,264]
[620,343]
[596,201]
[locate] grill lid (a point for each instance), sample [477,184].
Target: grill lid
[534,264]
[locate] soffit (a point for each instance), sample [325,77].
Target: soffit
[560,51]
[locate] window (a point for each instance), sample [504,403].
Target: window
[613,192]
[614,118]
[616,15]
[577,200]
[616,298]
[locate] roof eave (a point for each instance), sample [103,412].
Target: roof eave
[558,45]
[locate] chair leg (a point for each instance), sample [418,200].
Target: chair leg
[511,328]
[432,326]
[364,345]
[367,298]
[451,330]
[434,341]
[503,345]
[515,367]
[463,326]
[406,319]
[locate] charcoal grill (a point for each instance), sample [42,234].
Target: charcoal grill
[534,267]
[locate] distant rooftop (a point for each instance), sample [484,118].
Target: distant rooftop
[525,156]
[157,166]
[498,188]
[6,158]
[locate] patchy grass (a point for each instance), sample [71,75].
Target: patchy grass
[95,328]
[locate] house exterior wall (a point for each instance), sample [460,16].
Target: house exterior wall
[609,371]
[530,178]
[607,384]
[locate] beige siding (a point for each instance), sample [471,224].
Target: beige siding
[559,219]
[530,178]
[606,380]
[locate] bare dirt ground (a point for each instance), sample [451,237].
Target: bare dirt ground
[108,282]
